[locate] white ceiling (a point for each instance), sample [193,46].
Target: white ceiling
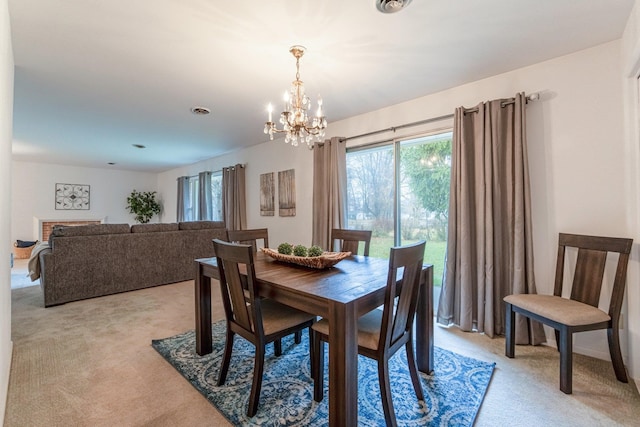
[94,77]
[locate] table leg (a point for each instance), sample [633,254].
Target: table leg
[203,311]
[343,365]
[424,323]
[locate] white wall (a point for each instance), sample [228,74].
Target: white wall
[577,158]
[6,120]
[264,158]
[34,194]
[630,72]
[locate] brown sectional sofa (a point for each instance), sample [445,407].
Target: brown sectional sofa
[95,260]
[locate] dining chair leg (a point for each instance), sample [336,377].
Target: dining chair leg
[318,376]
[566,360]
[557,334]
[312,353]
[616,355]
[413,370]
[277,347]
[258,369]
[510,332]
[385,392]
[297,337]
[226,358]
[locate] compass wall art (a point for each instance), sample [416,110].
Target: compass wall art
[72,197]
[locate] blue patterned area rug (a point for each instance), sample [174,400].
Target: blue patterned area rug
[453,394]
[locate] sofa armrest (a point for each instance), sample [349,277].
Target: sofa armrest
[46,266]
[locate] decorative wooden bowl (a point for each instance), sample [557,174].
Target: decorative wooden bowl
[326,260]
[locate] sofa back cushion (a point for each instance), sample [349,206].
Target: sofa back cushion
[153,228]
[200,225]
[90,230]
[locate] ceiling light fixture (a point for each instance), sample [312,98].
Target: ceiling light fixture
[391,6]
[296,123]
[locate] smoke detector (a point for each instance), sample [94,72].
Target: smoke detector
[391,6]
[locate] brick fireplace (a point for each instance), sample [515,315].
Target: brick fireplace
[45,226]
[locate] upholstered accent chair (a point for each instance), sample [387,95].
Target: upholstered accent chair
[579,311]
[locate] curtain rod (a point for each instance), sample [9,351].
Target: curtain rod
[394,128]
[242,165]
[511,101]
[233,167]
[532,97]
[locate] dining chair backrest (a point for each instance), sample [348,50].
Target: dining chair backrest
[349,240]
[240,307]
[590,267]
[397,317]
[250,237]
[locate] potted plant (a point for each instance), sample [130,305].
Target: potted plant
[143,204]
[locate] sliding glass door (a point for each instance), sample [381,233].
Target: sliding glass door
[400,190]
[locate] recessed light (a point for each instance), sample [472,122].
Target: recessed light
[138,145]
[200,111]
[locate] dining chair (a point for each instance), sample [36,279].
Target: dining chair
[381,333]
[259,321]
[250,237]
[580,311]
[349,240]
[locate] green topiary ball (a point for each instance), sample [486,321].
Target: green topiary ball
[300,250]
[315,251]
[285,248]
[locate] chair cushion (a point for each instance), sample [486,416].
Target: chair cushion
[558,309]
[368,329]
[278,317]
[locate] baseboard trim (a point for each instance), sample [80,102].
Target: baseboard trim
[4,396]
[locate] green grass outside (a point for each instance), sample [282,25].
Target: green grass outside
[433,254]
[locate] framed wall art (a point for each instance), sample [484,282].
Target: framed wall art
[72,197]
[267,194]
[287,192]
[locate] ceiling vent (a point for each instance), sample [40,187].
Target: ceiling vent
[391,6]
[200,111]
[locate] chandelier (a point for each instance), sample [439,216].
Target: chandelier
[295,119]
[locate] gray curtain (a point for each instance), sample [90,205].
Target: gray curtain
[329,190]
[489,246]
[183,194]
[205,197]
[234,203]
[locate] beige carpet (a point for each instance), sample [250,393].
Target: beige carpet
[90,363]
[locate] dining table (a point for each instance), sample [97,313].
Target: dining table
[340,294]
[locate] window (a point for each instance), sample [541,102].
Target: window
[216,196]
[192,205]
[400,191]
